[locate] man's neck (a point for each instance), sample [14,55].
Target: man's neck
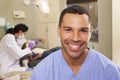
[75,64]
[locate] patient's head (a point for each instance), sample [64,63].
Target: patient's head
[28,45]
[25,45]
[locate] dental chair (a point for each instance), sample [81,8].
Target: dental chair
[25,61]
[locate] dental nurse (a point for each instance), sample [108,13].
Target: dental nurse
[10,52]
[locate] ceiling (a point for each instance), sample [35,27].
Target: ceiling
[79,1]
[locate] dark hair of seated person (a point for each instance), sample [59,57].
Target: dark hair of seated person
[10,31]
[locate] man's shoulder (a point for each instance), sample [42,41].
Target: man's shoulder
[99,55]
[54,57]
[101,59]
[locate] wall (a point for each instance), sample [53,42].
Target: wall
[48,23]
[105,28]
[116,31]
[109,28]
[8,6]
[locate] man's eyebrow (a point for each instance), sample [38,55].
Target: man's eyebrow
[66,27]
[84,28]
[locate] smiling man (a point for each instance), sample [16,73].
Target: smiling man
[74,32]
[75,61]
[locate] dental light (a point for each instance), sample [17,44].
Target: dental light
[27,2]
[41,4]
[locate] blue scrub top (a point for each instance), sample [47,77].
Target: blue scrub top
[95,67]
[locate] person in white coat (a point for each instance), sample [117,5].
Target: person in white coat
[10,52]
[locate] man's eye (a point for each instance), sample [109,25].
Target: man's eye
[84,30]
[67,29]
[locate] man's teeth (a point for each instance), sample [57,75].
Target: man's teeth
[74,46]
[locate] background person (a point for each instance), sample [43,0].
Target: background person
[10,52]
[75,61]
[35,57]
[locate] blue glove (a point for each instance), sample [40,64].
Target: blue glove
[37,41]
[31,45]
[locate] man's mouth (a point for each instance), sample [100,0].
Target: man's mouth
[74,47]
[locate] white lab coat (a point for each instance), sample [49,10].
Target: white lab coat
[10,53]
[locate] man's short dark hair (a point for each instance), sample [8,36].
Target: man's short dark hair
[20,27]
[74,9]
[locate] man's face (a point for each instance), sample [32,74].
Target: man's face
[74,33]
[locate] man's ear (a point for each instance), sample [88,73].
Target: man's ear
[91,30]
[58,30]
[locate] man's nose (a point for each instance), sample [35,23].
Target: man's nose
[75,36]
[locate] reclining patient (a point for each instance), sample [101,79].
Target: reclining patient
[37,56]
